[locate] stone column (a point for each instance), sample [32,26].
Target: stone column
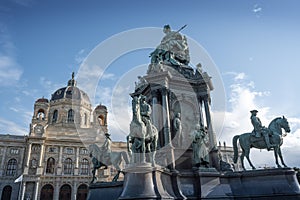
[166,127]
[28,155]
[166,117]
[2,167]
[201,119]
[42,154]
[76,170]
[77,157]
[60,155]
[212,137]
[56,191]
[59,165]
[213,150]
[154,107]
[74,191]
[36,191]
[155,116]
[23,190]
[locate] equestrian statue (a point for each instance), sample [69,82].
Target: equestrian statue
[143,134]
[261,137]
[104,157]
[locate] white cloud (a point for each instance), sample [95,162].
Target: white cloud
[88,78]
[118,104]
[25,3]
[49,86]
[9,127]
[242,99]
[80,56]
[10,72]
[240,76]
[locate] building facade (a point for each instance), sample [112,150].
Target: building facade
[12,151]
[53,159]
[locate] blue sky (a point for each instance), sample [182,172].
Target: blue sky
[254,45]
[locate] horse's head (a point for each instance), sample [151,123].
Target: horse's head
[285,124]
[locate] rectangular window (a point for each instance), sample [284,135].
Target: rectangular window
[69,150]
[84,151]
[14,151]
[52,149]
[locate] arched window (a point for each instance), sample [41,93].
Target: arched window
[101,120]
[11,168]
[6,192]
[54,116]
[84,167]
[47,192]
[82,192]
[50,166]
[71,115]
[40,114]
[65,192]
[68,166]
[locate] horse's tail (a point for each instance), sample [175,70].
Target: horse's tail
[235,148]
[125,156]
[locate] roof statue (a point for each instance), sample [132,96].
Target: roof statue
[173,48]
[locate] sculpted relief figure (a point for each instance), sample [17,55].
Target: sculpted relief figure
[200,153]
[173,48]
[178,128]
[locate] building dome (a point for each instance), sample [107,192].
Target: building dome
[71,92]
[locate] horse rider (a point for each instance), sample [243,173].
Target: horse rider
[106,149]
[260,130]
[145,111]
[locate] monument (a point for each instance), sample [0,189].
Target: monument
[172,145]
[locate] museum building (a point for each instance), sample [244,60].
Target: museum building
[52,161]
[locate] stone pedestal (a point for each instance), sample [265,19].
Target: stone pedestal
[263,184]
[105,190]
[143,181]
[199,182]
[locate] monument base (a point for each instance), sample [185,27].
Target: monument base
[142,181]
[146,182]
[263,184]
[105,190]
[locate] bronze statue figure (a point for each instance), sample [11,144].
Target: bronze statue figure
[248,140]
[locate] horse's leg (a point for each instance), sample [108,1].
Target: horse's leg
[116,176]
[153,153]
[143,149]
[247,153]
[94,177]
[276,156]
[280,156]
[242,160]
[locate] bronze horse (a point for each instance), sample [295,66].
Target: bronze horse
[115,159]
